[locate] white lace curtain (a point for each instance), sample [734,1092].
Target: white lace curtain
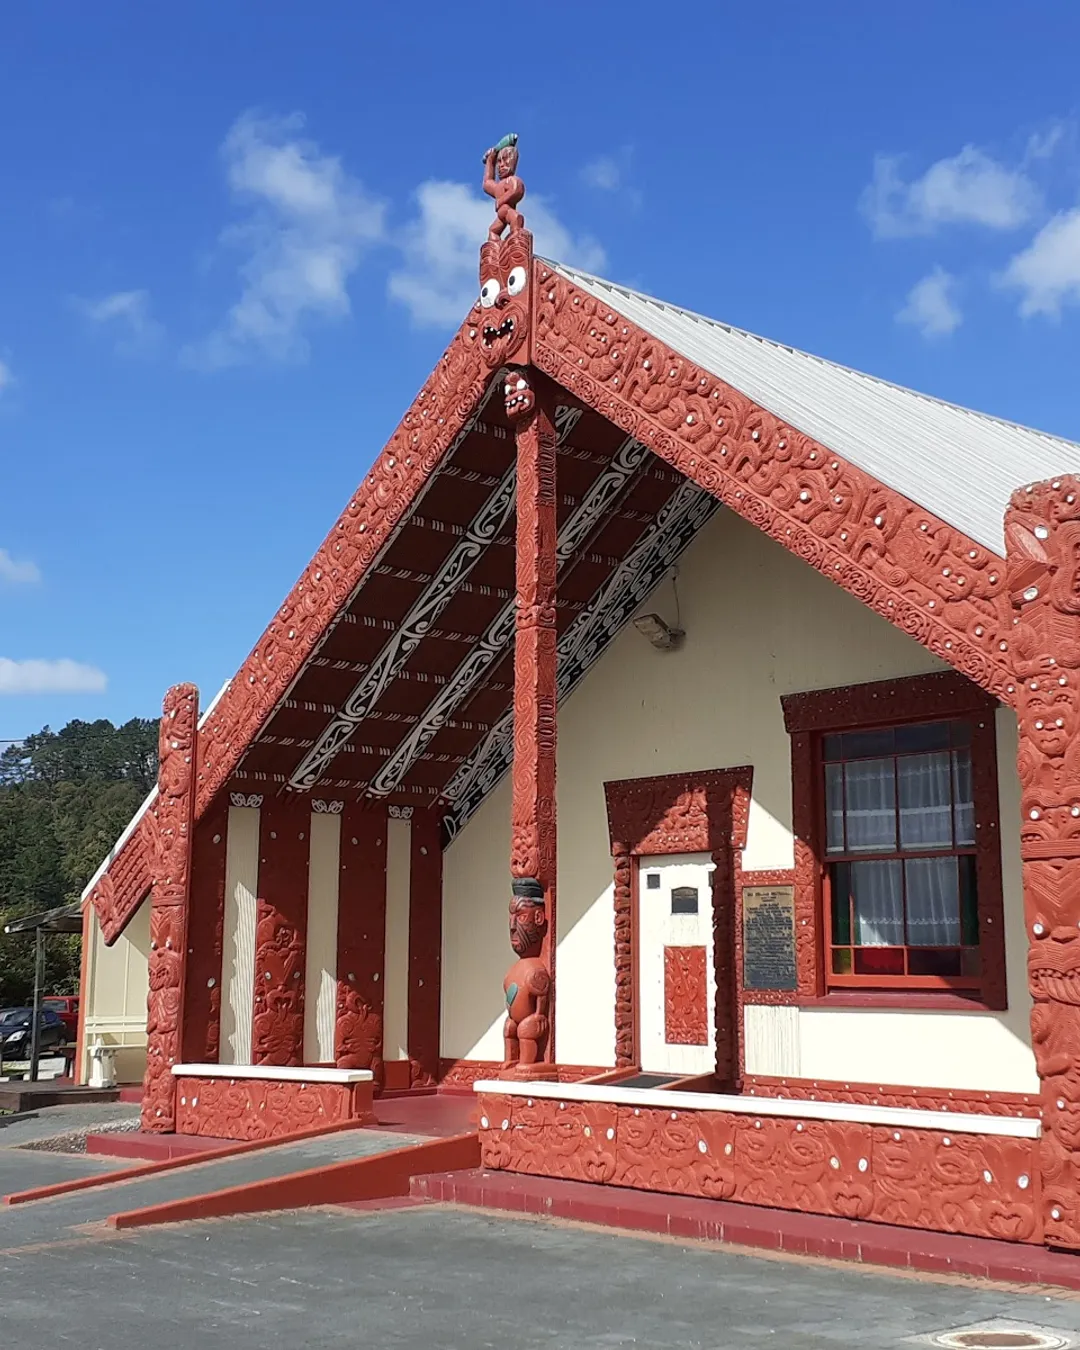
[902,804]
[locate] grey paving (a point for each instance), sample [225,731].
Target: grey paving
[442,1279]
[29,1126]
[50,1220]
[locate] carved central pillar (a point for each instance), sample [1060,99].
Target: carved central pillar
[530,984]
[172,828]
[1042,531]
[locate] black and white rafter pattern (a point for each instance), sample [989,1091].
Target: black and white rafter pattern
[487,523]
[677,523]
[499,635]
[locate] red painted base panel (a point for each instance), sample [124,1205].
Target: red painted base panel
[753,1226]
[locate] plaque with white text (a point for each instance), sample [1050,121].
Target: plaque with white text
[769,938]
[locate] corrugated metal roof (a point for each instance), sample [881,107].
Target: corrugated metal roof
[959,464]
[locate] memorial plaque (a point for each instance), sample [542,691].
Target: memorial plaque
[769,937]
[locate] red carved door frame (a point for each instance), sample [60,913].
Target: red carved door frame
[702,811]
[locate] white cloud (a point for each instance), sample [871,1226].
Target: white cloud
[14,573]
[1044,144]
[50,677]
[438,282]
[604,173]
[969,188]
[931,306]
[126,313]
[1047,272]
[308,224]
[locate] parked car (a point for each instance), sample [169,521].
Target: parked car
[16,1025]
[67,1006]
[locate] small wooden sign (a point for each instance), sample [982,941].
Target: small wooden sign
[769,937]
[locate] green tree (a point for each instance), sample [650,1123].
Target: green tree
[64,799]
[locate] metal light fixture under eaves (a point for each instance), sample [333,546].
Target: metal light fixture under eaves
[661,635]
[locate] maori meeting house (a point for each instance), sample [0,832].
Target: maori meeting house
[674,746]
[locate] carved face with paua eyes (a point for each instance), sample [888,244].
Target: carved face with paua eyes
[518,395]
[505,304]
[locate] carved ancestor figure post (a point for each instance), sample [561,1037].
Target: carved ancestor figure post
[1042,532]
[502,183]
[530,984]
[527,985]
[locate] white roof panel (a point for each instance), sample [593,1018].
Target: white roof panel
[961,465]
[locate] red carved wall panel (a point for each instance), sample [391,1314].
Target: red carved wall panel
[358,1036]
[1042,530]
[252,1108]
[697,812]
[924,576]
[206,916]
[277,1023]
[981,1185]
[686,997]
[425,948]
[172,831]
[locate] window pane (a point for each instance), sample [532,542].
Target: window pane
[834,808]
[965,808]
[969,903]
[934,961]
[878,903]
[879,961]
[841,961]
[871,805]
[832,747]
[859,744]
[924,736]
[840,875]
[970,960]
[933,902]
[961,733]
[925,801]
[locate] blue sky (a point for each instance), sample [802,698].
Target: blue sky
[235,238]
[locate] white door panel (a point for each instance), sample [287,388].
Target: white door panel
[675,911]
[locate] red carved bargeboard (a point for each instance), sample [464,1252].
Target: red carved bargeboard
[257,1108]
[172,831]
[981,1185]
[365,527]
[686,996]
[926,577]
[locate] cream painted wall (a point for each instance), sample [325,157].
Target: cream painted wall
[759,624]
[115,995]
[320,971]
[238,946]
[396,958]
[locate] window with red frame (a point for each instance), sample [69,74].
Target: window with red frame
[898,845]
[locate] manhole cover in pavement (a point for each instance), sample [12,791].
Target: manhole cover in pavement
[1001,1335]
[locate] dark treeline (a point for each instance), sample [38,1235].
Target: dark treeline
[65,796]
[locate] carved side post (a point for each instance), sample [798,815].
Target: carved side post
[1042,529]
[530,985]
[172,831]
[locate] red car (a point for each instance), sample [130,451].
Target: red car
[66,1006]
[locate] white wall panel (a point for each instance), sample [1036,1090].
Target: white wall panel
[238,964]
[320,975]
